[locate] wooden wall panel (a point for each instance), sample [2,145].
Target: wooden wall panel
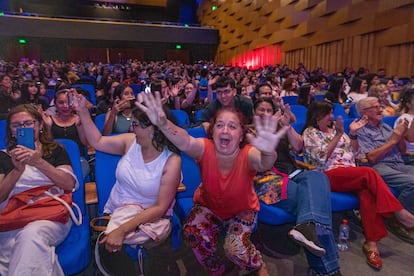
[331,34]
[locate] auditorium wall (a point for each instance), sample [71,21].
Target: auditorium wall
[332,34]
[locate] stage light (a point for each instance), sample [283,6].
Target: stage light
[178,46]
[22,41]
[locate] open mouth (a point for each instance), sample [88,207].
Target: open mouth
[224,141]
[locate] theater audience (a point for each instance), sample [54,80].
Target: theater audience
[331,150]
[381,144]
[308,199]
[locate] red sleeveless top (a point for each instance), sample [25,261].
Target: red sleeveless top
[230,194]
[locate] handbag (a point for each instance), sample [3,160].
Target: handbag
[146,235]
[270,186]
[47,202]
[152,231]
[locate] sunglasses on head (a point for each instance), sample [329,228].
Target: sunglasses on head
[142,123]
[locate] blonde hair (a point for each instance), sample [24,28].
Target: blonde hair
[377,90]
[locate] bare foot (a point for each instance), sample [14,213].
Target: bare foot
[405,218]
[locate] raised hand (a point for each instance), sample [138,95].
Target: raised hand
[339,125]
[267,137]
[174,90]
[287,116]
[153,108]
[401,128]
[357,124]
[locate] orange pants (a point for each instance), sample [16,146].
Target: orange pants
[376,201]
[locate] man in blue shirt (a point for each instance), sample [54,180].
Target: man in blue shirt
[381,145]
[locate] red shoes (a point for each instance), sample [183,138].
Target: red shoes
[373,258]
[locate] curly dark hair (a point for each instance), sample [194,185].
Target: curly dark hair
[159,141]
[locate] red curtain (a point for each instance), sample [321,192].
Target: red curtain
[259,57]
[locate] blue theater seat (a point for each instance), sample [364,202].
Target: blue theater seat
[182,118]
[105,166]
[74,253]
[300,112]
[90,88]
[291,100]
[3,124]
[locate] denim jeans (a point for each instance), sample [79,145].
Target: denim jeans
[308,198]
[400,177]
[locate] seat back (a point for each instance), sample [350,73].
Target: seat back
[198,114]
[347,123]
[182,118]
[319,97]
[189,168]
[291,100]
[3,125]
[338,110]
[73,151]
[74,253]
[191,176]
[90,88]
[100,121]
[105,167]
[298,126]
[389,120]
[300,112]
[353,112]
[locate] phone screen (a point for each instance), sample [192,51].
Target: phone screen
[25,137]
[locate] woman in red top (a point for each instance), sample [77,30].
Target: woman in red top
[226,198]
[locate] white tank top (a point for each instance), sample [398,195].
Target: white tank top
[136,181]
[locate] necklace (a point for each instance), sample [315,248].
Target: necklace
[127,117]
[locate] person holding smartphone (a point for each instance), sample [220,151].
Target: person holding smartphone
[30,250]
[119,118]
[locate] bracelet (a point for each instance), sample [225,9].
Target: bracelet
[353,137]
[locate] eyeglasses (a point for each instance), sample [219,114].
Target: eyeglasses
[223,92]
[375,107]
[27,123]
[142,124]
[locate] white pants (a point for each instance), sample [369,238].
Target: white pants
[31,249]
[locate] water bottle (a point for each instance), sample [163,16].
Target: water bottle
[343,236]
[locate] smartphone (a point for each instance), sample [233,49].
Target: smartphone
[132,103]
[25,137]
[349,100]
